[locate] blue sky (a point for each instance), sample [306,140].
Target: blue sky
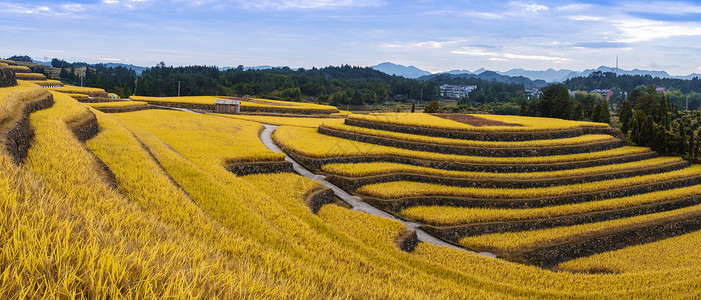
[432,35]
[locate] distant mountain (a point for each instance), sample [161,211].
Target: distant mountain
[549,75]
[137,69]
[689,77]
[461,72]
[587,72]
[266,67]
[400,70]
[491,75]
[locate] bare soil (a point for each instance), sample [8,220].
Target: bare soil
[475,121]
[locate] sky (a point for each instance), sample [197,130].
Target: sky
[432,35]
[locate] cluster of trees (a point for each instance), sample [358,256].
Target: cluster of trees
[486,91]
[556,102]
[335,85]
[653,122]
[620,84]
[118,80]
[24,58]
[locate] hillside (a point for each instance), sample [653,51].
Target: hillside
[164,198]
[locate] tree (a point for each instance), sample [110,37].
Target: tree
[432,107]
[637,127]
[20,58]
[660,139]
[601,113]
[555,102]
[577,113]
[625,113]
[523,111]
[692,147]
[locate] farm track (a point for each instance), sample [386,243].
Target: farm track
[355,202]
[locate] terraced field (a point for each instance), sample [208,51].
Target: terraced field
[532,190]
[248,105]
[169,204]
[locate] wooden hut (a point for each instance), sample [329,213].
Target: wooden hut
[227,106]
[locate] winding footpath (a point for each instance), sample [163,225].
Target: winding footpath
[355,202]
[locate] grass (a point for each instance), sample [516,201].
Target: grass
[309,142]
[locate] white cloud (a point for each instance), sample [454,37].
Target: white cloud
[666,7]
[585,18]
[529,7]
[472,52]
[418,45]
[306,4]
[574,7]
[481,15]
[505,56]
[637,30]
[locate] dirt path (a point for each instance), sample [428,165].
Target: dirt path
[355,202]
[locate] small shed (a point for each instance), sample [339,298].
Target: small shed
[227,106]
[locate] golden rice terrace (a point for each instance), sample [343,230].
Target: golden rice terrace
[112,198]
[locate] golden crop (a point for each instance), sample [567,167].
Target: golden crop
[430,121]
[179,225]
[8,62]
[78,96]
[309,142]
[20,69]
[252,102]
[446,215]
[116,104]
[401,189]
[69,89]
[48,82]
[204,138]
[30,76]
[510,241]
[379,168]
[13,98]
[579,140]
[671,254]
[301,122]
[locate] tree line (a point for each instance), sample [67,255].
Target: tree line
[622,84]
[556,102]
